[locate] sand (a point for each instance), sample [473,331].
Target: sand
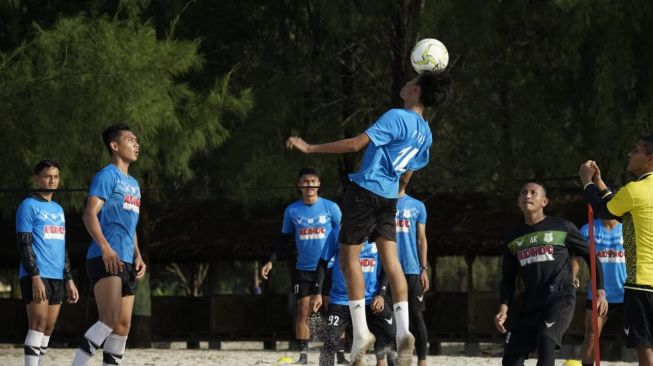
[252,353]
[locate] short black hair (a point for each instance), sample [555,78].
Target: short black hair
[436,87]
[648,142]
[538,183]
[43,164]
[112,133]
[307,170]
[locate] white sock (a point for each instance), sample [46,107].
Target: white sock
[358,319]
[93,339]
[44,349]
[401,316]
[32,347]
[114,349]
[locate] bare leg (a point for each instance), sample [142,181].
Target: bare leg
[645,355]
[351,270]
[587,350]
[392,267]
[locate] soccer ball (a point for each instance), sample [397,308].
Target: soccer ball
[429,54]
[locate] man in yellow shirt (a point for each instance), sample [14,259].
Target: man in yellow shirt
[633,206]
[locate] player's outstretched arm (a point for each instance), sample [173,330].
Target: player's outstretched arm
[352,144]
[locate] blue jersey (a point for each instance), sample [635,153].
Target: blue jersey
[410,212]
[400,141]
[119,215]
[46,222]
[311,225]
[609,247]
[370,264]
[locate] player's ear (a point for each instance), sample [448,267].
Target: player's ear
[545,201]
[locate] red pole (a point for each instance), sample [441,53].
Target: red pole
[595,318]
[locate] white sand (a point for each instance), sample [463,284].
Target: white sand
[249,353]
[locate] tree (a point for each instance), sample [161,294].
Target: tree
[64,85]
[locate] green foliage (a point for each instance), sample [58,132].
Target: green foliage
[61,88]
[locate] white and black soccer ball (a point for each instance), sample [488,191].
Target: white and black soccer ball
[429,54]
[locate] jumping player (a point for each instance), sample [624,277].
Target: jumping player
[541,249]
[412,248]
[309,221]
[400,142]
[632,205]
[377,312]
[113,260]
[608,245]
[44,264]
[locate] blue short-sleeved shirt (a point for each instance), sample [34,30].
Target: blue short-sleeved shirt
[311,225]
[370,265]
[609,247]
[400,141]
[410,212]
[46,222]
[119,215]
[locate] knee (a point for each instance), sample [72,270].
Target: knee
[122,326]
[39,323]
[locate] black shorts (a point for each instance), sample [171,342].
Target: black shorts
[415,293]
[382,325]
[54,290]
[366,216]
[95,270]
[328,281]
[638,318]
[613,307]
[550,321]
[304,284]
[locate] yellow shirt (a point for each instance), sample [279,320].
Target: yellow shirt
[634,203]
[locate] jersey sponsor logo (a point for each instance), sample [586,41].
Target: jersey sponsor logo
[309,233]
[535,255]
[54,232]
[611,256]
[367,264]
[403,226]
[131,203]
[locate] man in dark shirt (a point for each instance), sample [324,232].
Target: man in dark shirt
[541,249]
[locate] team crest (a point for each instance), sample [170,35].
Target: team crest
[323,219]
[407,213]
[548,237]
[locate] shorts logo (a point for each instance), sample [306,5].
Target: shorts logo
[549,325]
[420,298]
[389,321]
[54,232]
[508,337]
[626,330]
